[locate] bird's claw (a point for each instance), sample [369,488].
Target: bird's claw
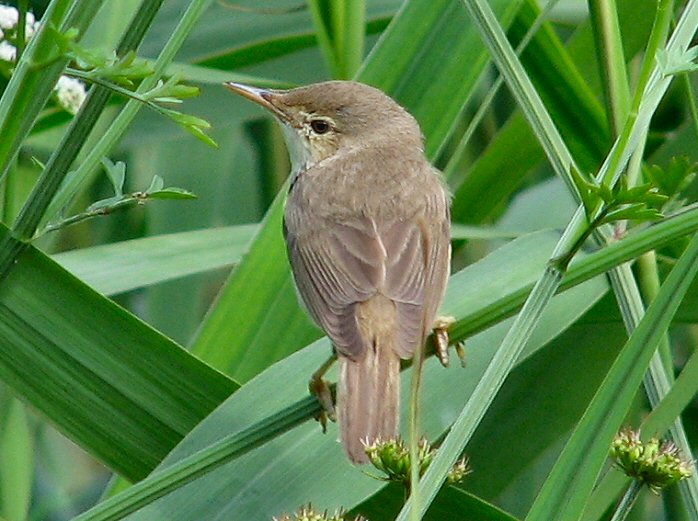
[319,388]
[441,341]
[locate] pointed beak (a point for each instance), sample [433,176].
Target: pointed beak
[262,97]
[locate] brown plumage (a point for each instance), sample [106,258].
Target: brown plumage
[367,229]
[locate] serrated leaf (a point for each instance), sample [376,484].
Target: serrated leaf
[634,212]
[675,178]
[632,194]
[653,199]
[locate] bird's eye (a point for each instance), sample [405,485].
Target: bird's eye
[320,126]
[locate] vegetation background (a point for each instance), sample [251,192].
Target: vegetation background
[97,392]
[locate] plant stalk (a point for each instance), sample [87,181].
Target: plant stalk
[626,504]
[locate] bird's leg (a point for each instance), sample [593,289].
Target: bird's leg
[440,328]
[322,391]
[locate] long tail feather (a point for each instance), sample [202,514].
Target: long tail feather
[368,401]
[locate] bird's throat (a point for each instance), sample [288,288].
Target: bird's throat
[298,150]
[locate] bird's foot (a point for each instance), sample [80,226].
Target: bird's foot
[322,391]
[319,388]
[440,328]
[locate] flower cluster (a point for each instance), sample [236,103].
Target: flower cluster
[9,19]
[392,457]
[654,464]
[308,514]
[70,93]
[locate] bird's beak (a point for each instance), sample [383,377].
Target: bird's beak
[262,97]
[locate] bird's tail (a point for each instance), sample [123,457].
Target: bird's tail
[368,400]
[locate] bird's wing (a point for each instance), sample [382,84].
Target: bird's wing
[407,260]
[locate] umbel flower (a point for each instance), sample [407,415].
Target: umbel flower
[392,457]
[657,465]
[70,93]
[309,514]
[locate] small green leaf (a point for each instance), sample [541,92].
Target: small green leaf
[587,190]
[105,205]
[632,194]
[156,184]
[167,100]
[188,120]
[202,136]
[675,62]
[675,178]
[172,192]
[606,193]
[181,91]
[634,212]
[116,173]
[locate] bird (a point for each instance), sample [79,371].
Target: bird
[367,230]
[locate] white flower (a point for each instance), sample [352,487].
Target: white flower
[8,53]
[9,16]
[70,93]
[31,26]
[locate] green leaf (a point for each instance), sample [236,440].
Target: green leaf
[675,62]
[156,183]
[675,178]
[322,474]
[449,502]
[116,173]
[123,266]
[571,481]
[17,463]
[558,74]
[171,192]
[70,353]
[635,212]
[30,86]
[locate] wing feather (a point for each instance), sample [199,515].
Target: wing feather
[407,260]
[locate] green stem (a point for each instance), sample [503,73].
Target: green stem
[29,88]
[657,40]
[657,381]
[325,42]
[162,482]
[415,386]
[560,158]
[610,55]
[626,504]
[58,164]
[227,449]
[484,393]
[648,276]
[454,162]
[688,87]
[117,89]
[354,36]
[128,112]
[22,6]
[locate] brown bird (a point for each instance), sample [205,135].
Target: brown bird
[368,235]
